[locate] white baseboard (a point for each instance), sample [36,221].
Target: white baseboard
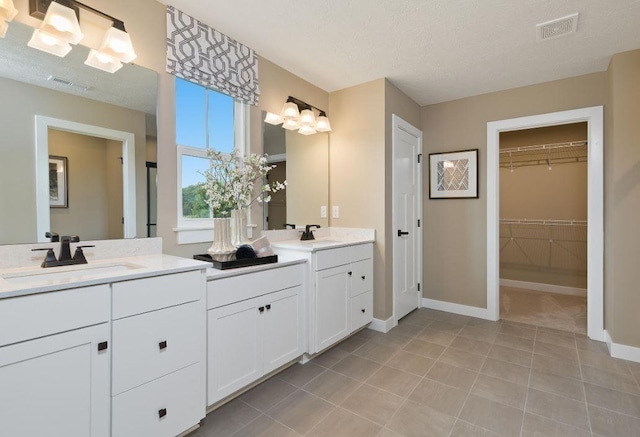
[456,308]
[548,288]
[622,351]
[383,326]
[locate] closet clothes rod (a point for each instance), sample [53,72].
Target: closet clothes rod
[540,147]
[543,222]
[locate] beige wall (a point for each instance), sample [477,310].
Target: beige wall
[454,238]
[17,149]
[622,200]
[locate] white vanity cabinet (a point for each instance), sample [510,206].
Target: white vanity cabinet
[158,378]
[254,326]
[55,363]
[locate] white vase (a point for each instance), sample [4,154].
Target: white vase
[239,227]
[221,249]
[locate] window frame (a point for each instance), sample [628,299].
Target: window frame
[200,230]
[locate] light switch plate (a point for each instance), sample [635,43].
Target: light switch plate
[323,211]
[336,212]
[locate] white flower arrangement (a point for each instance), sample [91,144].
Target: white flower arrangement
[230,181]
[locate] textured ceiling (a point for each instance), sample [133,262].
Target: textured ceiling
[131,87]
[434,50]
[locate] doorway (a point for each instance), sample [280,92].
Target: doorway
[595,207]
[407,214]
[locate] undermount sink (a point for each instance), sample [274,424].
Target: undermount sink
[35,276]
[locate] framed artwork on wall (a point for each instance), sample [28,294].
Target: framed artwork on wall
[58,187]
[453,175]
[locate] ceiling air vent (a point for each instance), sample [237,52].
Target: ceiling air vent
[61,81]
[557,28]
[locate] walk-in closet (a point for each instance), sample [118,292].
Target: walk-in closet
[543,226]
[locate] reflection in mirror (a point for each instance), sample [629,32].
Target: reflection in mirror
[303,160]
[34,83]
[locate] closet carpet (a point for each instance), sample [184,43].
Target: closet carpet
[550,310]
[441,374]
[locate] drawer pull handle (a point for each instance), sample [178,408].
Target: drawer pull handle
[363,310]
[363,278]
[268,307]
[350,273]
[162,344]
[261,309]
[162,412]
[102,346]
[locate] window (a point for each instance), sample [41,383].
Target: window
[204,119]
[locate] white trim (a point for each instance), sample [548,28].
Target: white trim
[456,308]
[622,351]
[383,326]
[278,157]
[412,130]
[547,288]
[43,214]
[194,235]
[595,207]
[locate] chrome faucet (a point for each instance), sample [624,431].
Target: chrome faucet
[307,234]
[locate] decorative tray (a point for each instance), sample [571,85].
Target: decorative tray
[236,263]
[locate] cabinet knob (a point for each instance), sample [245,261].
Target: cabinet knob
[162,412]
[350,273]
[268,307]
[162,344]
[363,278]
[261,309]
[363,310]
[102,346]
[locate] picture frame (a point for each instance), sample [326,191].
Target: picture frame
[453,175]
[58,185]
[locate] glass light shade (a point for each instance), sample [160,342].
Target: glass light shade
[291,124]
[103,62]
[272,118]
[117,45]
[61,22]
[290,111]
[307,130]
[49,44]
[307,118]
[323,125]
[7,11]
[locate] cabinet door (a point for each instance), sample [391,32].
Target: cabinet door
[56,386]
[282,329]
[234,349]
[332,306]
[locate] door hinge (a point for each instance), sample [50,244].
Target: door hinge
[418,222]
[418,286]
[419,157]
[123,220]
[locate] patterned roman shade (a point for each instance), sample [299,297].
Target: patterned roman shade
[200,54]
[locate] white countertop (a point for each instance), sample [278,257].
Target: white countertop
[213,274]
[318,244]
[83,275]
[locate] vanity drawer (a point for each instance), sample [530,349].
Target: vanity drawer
[362,276]
[225,291]
[165,407]
[26,317]
[360,252]
[149,294]
[151,345]
[361,310]
[326,259]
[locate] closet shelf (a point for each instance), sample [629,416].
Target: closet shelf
[544,154]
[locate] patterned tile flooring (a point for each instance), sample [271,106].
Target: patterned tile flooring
[441,374]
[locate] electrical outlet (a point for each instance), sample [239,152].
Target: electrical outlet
[336,212]
[323,211]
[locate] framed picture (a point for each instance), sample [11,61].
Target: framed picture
[453,175]
[58,187]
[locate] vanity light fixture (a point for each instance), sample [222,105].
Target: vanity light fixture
[299,115]
[61,27]
[7,13]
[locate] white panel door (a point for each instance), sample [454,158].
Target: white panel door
[56,386]
[407,145]
[282,329]
[332,306]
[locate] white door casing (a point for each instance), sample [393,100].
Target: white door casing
[595,207]
[406,211]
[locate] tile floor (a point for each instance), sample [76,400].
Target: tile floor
[441,374]
[558,311]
